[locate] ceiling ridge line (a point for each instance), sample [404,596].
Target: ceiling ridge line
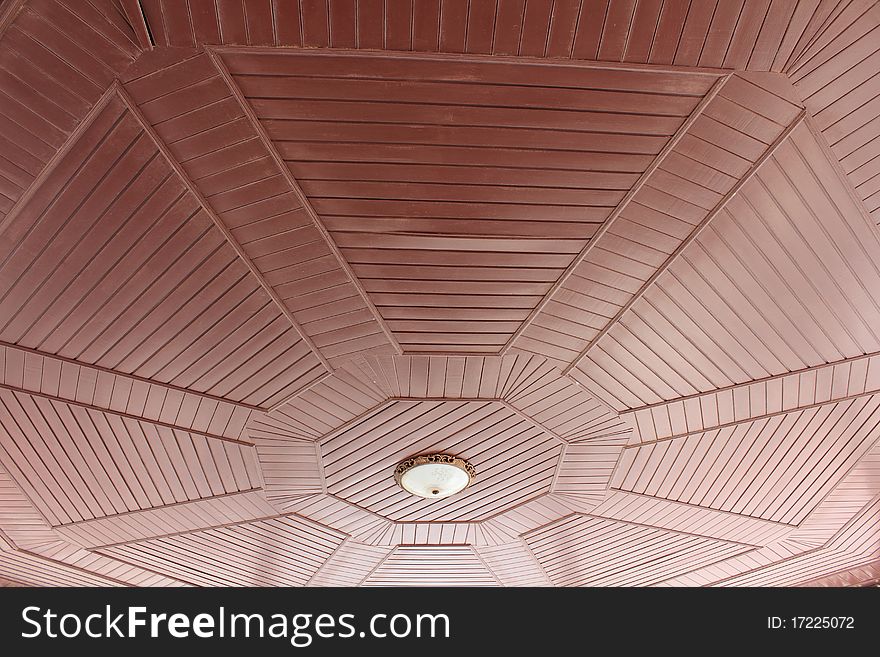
[711,510]
[160,507]
[670,145]
[327,560]
[489,569]
[534,558]
[345,426]
[842,176]
[33,551]
[9,13]
[558,469]
[528,418]
[59,155]
[702,566]
[176,578]
[137,20]
[550,496]
[133,541]
[851,522]
[692,236]
[746,384]
[124,414]
[382,561]
[757,569]
[669,529]
[269,145]
[93,573]
[298,393]
[124,375]
[818,507]
[477,58]
[37,510]
[756,418]
[178,169]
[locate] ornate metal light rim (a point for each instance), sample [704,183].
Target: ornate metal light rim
[447,459]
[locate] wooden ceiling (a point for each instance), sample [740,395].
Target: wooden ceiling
[623,255]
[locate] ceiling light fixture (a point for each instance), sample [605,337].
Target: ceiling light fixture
[434,476]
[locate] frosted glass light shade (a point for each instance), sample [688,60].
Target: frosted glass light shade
[434,476]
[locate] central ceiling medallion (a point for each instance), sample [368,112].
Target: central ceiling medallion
[434,475]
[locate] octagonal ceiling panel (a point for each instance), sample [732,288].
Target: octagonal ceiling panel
[459,192]
[509,453]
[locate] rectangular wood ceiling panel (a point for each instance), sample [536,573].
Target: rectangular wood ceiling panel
[195,113]
[758,34]
[732,132]
[278,552]
[458,203]
[778,468]
[777,282]
[137,278]
[77,464]
[583,551]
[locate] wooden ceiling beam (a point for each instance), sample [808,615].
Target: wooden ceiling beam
[830,382]
[170,387]
[687,241]
[122,414]
[746,384]
[470,58]
[755,418]
[148,128]
[269,145]
[609,222]
[57,157]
